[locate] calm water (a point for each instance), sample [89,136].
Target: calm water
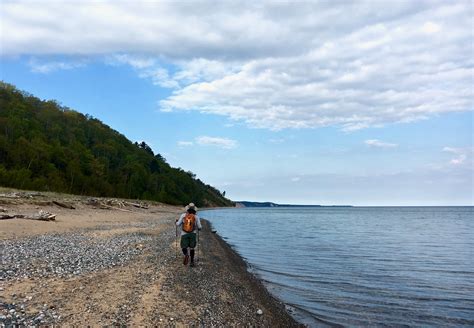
[392,266]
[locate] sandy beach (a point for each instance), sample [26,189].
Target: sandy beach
[115,262]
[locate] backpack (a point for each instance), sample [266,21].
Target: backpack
[188,222]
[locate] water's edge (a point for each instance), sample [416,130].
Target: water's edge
[255,281]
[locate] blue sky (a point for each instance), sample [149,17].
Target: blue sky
[293,103]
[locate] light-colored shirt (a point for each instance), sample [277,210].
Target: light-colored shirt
[196,225]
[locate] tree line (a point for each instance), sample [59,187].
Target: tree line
[48,147]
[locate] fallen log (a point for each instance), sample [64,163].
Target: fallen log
[20,194]
[41,216]
[11,216]
[6,216]
[64,205]
[145,206]
[10,195]
[114,202]
[107,207]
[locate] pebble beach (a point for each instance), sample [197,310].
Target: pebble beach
[99,267]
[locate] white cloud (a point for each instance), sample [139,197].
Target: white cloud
[378,74]
[52,66]
[462,155]
[185,143]
[458,160]
[159,76]
[138,62]
[452,150]
[295,179]
[216,141]
[271,65]
[430,28]
[379,144]
[188,72]
[146,67]
[201,69]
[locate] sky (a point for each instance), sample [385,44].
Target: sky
[367,103]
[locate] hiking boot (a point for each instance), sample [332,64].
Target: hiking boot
[192,264]
[186,259]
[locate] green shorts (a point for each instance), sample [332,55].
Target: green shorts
[188,240]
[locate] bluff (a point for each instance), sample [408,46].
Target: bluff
[48,147]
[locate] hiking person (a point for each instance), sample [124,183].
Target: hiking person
[189,223]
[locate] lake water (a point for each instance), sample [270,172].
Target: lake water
[360,266]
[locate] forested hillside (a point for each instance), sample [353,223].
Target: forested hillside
[47,147]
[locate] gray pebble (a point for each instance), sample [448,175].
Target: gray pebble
[65,255]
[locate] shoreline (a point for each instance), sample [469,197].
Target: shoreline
[280,316]
[120,266]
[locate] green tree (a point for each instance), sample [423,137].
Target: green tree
[46,146]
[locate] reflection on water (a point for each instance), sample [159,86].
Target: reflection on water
[393,266]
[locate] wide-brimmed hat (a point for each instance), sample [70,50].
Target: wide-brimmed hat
[191,206]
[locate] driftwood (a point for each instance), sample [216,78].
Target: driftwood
[105,202]
[114,204]
[41,216]
[6,216]
[10,195]
[107,207]
[64,205]
[44,216]
[139,205]
[21,194]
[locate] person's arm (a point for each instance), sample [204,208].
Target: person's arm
[198,222]
[180,220]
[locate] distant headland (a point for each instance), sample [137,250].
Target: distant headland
[270,204]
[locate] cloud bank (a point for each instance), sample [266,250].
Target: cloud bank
[271,65]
